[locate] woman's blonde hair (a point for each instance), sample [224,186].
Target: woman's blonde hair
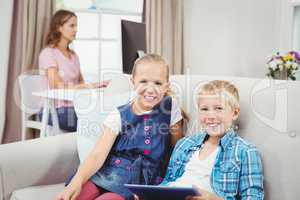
[220,87]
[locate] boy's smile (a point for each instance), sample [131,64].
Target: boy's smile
[216,115]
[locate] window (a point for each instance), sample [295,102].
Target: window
[98,41]
[295,16]
[296,25]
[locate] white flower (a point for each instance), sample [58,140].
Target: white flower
[294,66]
[272,64]
[288,64]
[280,67]
[278,61]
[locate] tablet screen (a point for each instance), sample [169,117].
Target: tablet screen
[153,192]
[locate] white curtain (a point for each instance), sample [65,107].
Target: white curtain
[6,12]
[164,28]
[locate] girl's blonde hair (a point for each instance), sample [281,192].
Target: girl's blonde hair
[220,87]
[151,58]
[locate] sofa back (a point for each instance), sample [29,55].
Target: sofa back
[269,118]
[269,114]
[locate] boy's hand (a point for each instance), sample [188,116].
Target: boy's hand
[204,195]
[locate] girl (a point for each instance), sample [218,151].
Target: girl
[61,65]
[217,161]
[135,141]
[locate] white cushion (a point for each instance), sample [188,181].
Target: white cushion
[47,192]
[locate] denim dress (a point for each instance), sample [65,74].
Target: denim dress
[140,152]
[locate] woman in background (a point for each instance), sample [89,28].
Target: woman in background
[61,65]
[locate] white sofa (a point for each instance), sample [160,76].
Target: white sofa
[270,115]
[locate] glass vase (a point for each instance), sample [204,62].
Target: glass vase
[281,75]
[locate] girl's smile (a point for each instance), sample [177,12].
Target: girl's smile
[150,86]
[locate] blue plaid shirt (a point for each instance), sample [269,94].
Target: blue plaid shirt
[237,172]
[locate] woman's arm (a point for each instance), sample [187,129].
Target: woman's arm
[81,80]
[57,82]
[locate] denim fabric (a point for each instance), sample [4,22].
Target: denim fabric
[139,153]
[237,172]
[67,118]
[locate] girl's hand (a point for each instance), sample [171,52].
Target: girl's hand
[136,197]
[204,195]
[70,192]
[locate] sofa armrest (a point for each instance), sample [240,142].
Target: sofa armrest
[40,161]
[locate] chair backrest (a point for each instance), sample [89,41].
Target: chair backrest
[29,83]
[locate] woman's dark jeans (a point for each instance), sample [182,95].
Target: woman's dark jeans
[67,118]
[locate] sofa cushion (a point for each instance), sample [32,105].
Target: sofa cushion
[47,192]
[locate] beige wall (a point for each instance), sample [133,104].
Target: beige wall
[233,37]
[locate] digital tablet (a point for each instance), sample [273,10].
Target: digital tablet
[154,192]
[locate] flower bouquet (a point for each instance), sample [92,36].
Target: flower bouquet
[283,66]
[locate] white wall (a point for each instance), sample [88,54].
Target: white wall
[6,7]
[232,37]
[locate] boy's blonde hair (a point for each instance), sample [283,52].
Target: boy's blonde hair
[224,88]
[151,58]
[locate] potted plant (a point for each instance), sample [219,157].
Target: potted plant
[283,66]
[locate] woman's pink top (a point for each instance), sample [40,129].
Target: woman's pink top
[68,68]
